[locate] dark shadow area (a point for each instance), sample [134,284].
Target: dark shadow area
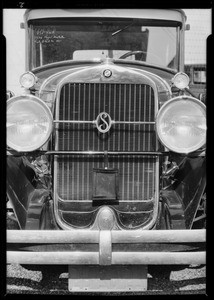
[60,286]
[174,284]
[52,283]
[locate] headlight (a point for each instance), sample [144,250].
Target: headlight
[27,80]
[29,123]
[181,80]
[181,124]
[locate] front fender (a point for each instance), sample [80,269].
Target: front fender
[183,195]
[174,207]
[24,193]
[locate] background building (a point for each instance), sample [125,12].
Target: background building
[195,48]
[195,38]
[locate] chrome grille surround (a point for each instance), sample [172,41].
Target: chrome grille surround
[131,78]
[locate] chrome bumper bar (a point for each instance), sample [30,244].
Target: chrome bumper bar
[105,239]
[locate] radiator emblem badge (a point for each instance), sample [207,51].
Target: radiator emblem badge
[103,122]
[107,73]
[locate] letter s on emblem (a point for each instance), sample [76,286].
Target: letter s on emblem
[103,122]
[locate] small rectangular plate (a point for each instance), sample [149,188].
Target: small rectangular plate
[105,184]
[107,278]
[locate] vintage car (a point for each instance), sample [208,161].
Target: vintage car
[106,148]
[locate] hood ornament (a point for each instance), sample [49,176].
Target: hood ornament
[103,122]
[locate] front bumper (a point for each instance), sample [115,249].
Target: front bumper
[105,239]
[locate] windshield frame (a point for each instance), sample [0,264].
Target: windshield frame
[128,22]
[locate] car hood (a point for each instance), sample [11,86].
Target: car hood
[50,77]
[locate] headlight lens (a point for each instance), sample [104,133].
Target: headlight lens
[29,123]
[27,80]
[181,80]
[181,124]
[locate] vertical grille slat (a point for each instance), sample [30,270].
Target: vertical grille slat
[123,102]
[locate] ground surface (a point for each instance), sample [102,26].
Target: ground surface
[191,280]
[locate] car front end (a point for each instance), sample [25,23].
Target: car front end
[106,148]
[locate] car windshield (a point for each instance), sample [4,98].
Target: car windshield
[55,40]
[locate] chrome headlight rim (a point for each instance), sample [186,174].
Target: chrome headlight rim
[28,97]
[163,107]
[31,83]
[185,82]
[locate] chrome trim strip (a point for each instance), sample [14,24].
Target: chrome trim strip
[141,153]
[95,121]
[89,201]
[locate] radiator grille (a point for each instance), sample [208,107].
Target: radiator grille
[136,176]
[123,102]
